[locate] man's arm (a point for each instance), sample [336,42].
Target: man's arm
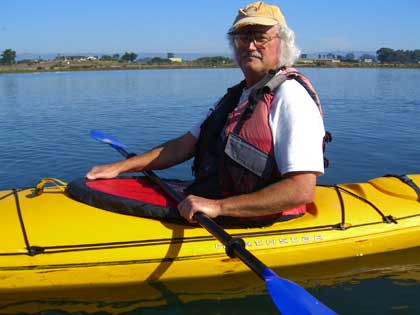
[293,190]
[170,153]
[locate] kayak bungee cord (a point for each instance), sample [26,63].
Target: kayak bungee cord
[407,180]
[339,189]
[32,250]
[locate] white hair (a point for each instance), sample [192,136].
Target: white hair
[289,53]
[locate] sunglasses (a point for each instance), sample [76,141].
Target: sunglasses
[244,39]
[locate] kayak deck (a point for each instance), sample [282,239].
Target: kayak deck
[51,240]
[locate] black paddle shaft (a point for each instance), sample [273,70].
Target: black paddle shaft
[235,246]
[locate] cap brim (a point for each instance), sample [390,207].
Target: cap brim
[255,20]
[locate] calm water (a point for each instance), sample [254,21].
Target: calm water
[374,115]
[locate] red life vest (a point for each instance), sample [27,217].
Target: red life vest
[235,151]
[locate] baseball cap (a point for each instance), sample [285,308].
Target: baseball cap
[258,13]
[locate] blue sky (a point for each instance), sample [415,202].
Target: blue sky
[199,26]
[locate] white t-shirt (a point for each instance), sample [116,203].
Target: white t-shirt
[296,126]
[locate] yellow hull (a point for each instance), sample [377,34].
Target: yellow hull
[78,247]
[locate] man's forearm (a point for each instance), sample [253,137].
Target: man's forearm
[286,194]
[163,156]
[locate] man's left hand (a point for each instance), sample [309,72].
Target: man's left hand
[192,204]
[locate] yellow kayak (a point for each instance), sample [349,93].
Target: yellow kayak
[51,243]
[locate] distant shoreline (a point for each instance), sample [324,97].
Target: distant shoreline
[106,66]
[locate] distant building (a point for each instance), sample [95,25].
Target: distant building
[318,60]
[172,58]
[76,58]
[305,60]
[175,59]
[367,60]
[328,60]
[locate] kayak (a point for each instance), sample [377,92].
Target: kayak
[52,243]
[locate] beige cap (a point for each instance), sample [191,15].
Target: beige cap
[258,13]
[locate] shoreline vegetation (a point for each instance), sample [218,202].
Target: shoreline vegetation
[97,65]
[385,58]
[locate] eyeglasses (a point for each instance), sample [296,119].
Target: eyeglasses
[244,39]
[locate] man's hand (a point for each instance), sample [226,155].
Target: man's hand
[104,171]
[294,190]
[192,204]
[170,153]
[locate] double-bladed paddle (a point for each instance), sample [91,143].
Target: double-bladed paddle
[289,298]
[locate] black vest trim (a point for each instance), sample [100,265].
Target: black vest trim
[210,147]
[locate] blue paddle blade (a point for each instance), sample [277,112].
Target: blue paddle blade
[100,136]
[291,299]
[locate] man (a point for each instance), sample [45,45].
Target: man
[258,153]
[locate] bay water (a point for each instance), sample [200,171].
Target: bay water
[373,114]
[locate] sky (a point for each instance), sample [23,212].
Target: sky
[199,26]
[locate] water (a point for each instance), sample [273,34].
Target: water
[374,115]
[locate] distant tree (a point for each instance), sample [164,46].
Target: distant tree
[26,61]
[171,55]
[106,58]
[129,57]
[144,60]
[349,57]
[8,57]
[115,56]
[159,61]
[388,55]
[416,56]
[384,55]
[402,56]
[367,56]
[218,60]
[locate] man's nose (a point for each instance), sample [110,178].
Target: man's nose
[251,45]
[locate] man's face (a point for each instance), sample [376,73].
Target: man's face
[257,57]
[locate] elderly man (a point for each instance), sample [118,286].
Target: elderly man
[258,153]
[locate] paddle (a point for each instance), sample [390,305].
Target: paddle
[289,298]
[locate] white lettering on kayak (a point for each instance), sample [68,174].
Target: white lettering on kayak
[273,242]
